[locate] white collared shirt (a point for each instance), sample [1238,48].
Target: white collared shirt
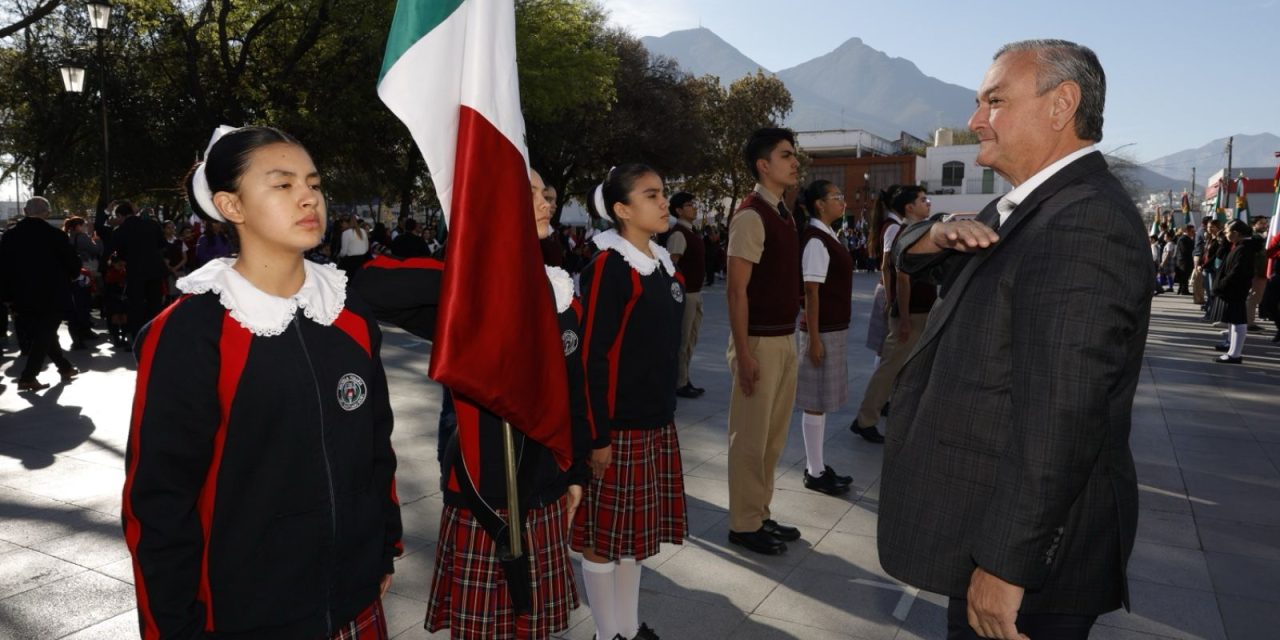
[891,234]
[1011,200]
[816,260]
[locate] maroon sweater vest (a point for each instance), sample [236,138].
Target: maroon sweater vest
[693,262]
[835,296]
[773,295]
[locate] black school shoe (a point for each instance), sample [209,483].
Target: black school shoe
[689,391]
[1228,360]
[827,483]
[870,434]
[780,531]
[758,541]
[645,633]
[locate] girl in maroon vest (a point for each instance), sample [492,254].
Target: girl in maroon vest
[634,302]
[823,377]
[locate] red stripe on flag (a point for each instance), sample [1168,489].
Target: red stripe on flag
[233,349]
[356,327]
[498,339]
[132,527]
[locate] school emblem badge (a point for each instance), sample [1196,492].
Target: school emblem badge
[570,340]
[351,392]
[677,292]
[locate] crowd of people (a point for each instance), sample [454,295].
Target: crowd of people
[1229,268]
[260,495]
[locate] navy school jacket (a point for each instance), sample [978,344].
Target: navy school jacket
[259,500]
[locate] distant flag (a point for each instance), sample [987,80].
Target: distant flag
[1219,212]
[1186,208]
[1155,222]
[1242,199]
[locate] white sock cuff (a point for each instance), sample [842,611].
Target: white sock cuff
[597,567]
[628,560]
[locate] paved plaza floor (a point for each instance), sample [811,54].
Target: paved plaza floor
[1207,564]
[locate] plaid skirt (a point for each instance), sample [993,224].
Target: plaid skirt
[639,503]
[371,624]
[823,388]
[469,591]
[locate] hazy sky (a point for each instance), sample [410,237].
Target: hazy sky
[1179,73]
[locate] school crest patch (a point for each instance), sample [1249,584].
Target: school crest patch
[677,292]
[351,392]
[570,340]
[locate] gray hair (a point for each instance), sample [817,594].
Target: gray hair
[1062,61]
[36,206]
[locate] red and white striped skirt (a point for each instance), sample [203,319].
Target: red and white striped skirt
[639,503]
[371,624]
[469,590]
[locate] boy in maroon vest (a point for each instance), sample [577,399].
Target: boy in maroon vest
[689,254]
[764,300]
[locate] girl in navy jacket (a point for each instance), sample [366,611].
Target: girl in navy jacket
[634,301]
[259,500]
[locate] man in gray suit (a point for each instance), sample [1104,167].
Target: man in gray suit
[1008,481]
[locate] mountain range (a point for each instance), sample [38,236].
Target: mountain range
[858,87]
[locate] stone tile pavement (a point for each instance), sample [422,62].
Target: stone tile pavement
[1207,564]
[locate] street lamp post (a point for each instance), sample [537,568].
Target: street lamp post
[100,19]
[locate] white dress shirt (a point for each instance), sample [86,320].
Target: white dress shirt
[816,260]
[1011,200]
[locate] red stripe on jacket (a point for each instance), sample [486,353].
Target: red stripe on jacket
[233,350]
[356,327]
[615,352]
[598,269]
[384,262]
[133,528]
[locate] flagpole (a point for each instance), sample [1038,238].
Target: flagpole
[513,499]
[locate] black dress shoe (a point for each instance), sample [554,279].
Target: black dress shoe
[1222,347]
[870,434]
[758,541]
[844,480]
[700,390]
[645,633]
[687,391]
[825,483]
[780,531]
[1228,360]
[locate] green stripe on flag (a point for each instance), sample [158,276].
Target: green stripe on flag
[414,19]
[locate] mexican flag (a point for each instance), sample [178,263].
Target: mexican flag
[450,75]
[1273,229]
[1242,199]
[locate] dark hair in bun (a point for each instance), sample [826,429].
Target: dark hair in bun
[229,158]
[616,188]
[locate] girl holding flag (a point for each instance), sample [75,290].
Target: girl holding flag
[259,498]
[635,303]
[472,593]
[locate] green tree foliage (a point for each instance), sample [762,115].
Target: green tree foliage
[173,70]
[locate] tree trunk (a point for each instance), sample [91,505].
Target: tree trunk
[410,177]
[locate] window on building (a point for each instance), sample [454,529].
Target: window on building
[952,174]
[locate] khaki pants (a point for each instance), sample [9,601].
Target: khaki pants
[758,426]
[1197,285]
[689,333]
[1255,299]
[892,357]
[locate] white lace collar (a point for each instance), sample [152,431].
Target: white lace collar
[321,298]
[643,264]
[562,285]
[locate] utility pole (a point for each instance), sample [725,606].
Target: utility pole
[1193,184]
[1226,184]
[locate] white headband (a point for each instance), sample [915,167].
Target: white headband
[598,196]
[200,182]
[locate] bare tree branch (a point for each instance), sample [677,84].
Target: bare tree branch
[34,16]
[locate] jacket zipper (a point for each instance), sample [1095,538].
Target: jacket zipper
[328,474]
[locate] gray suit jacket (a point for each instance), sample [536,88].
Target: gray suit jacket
[1008,443]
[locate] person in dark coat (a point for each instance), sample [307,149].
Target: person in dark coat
[1008,481]
[409,244]
[37,264]
[1183,259]
[1232,285]
[139,241]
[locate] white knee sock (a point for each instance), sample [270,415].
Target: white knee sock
[1238,334]
[599,577]
[626,593]
[814,429]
